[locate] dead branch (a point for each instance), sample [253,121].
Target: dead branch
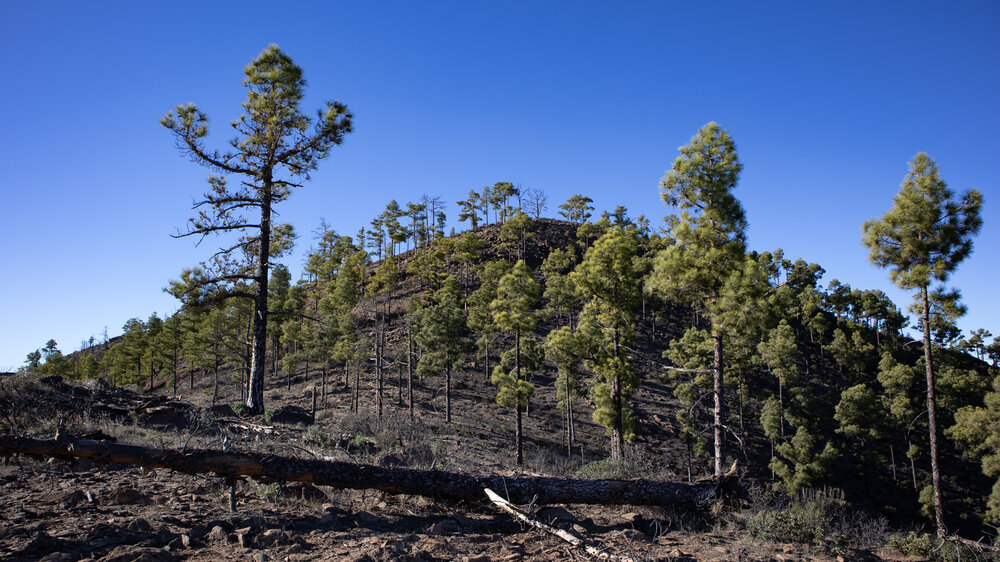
[564,535]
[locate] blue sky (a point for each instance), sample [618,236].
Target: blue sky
[826,102]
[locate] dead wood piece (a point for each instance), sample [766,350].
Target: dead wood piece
[978,545]
[265,429]
[339,474]
[564,535]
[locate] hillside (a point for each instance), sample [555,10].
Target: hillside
[847,502]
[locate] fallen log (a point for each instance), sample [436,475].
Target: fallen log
[338,474]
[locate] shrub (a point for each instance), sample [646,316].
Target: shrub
[925,545]
[819,518]
[241,409]
[803,522]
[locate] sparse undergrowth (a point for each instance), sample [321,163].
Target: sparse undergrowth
[821,522]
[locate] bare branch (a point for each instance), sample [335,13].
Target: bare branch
[679,370]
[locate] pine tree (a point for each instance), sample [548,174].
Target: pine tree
[922,239]
[703,267]
[480,311]
[608,281]
[469,209]
[514,311]
[171,343]
[561,295]
[577,208]
[155,351]
[442,335]
[563,347]
[272,150]
[382,285]
[781,354]
[899,382]
[977,430]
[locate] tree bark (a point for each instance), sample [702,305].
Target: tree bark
[258,353]
[447,392]
[409,368]
[518,432]
[932,417]
[617,428]
[719,410]
[432,483]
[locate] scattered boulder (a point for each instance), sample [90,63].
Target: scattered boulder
[445,527]
[58,557]
[365,518]
[244,537]
[305,492]
[222,411]
[139,525]
[39,546]
[128,496]
[417,455]
[271,538]
[130,553]
[291,414]
[171,416]
[218,534]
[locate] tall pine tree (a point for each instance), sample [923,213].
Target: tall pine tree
[922,239]
[703,266]
[272,151]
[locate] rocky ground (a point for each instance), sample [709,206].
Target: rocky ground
[90,512]
[54,510]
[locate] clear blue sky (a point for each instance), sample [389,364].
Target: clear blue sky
[827,103]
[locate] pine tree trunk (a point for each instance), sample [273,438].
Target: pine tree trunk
[323,395]
[781,408]
[652,325]
[569,444]
[572,424]
[357,389]
[378,369]
[569,420]
[486,346]
[519,445]
[274,358]
[215,384]
[258,354]
[932,417]
[743,430]
[409,369]
[687,447]
[447,392]
[617,433]
[719,411]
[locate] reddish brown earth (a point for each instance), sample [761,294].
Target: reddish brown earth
[53,510]
[61,512]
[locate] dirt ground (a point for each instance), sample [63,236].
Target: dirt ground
[58,511]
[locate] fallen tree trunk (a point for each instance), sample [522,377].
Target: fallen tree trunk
[337,474]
